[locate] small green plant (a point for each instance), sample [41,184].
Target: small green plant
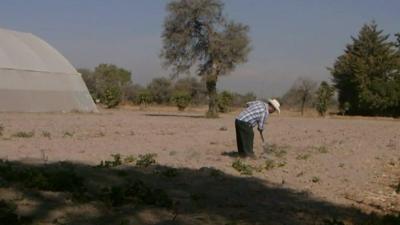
[300,174]
[281,164]
[242,168]
[278,151]
[181,99]
[113,163]
[269,164]
[322,149]
[46,134]
[130,159]
[315,180]
[303,156]
[23,134]
[68,134]
[146,160]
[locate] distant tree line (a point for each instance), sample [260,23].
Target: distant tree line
[111,85]
[365,80]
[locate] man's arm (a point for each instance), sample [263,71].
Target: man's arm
[262,121]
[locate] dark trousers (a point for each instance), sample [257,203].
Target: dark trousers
[244,138]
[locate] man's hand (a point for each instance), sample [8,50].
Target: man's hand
[261,134]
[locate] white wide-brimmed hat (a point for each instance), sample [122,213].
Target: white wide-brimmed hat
[275,104]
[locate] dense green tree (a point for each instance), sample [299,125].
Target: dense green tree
[110,81]
[197,34]
[161,90]
[323,98]
[366,76]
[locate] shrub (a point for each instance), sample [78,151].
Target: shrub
[112,96]
[322,149]
[114,163]
[146,160]
[224,102]
[23,134]
[269,164]
[68,134]
[278,151]
[181,99]
[46,134]
[144,97]
[303,156]
[315,179]
[160,89]
[242,168]
[130,159]
[196,88]
[324,95]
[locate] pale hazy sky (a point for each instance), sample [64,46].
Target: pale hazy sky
[290,38]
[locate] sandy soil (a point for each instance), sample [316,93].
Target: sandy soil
[346,162]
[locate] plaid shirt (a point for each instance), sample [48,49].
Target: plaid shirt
[255,113]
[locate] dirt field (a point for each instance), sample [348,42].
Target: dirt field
[317,168]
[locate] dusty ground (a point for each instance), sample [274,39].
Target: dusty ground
[337,164]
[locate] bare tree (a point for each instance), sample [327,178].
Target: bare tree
[301,93]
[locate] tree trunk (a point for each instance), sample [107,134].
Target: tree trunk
[212,96]
[303,102]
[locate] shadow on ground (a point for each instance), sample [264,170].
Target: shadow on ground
[176,115]
[73,193]
[232,154]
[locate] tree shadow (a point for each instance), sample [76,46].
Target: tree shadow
[175,115]
[74,193]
